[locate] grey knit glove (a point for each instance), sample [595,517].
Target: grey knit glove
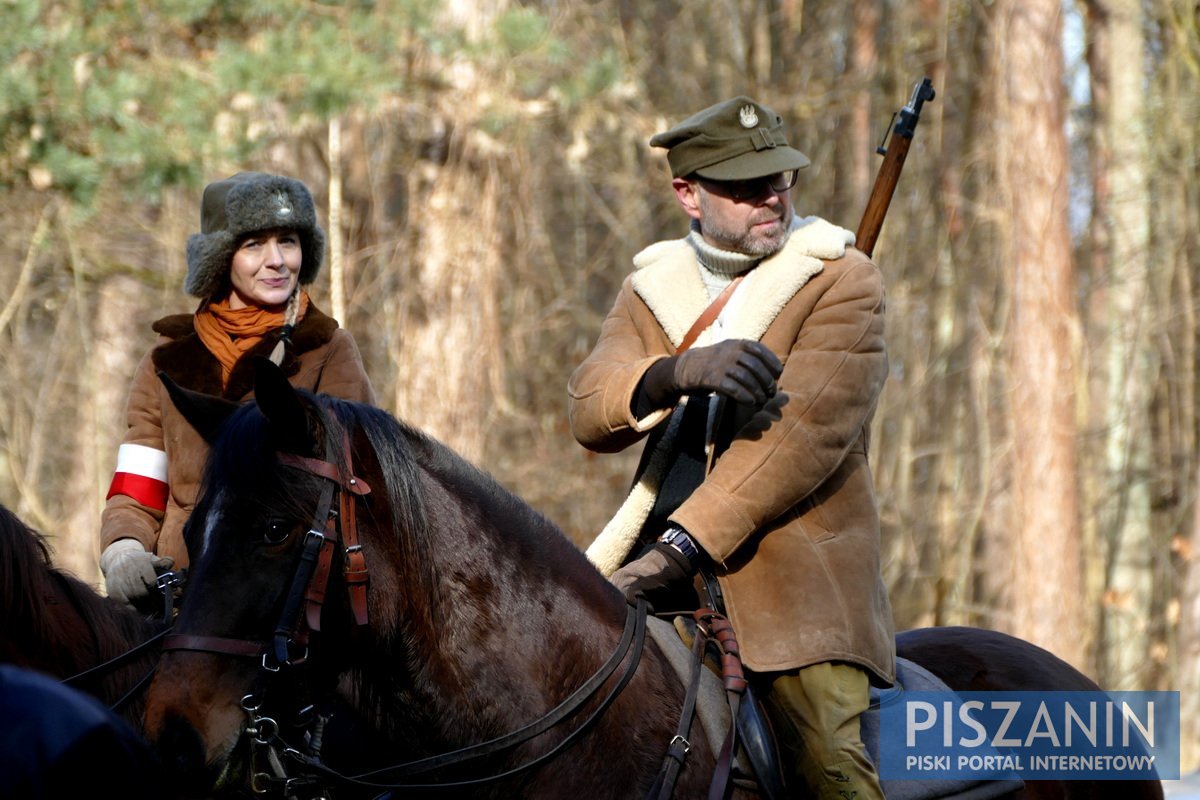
[129,571]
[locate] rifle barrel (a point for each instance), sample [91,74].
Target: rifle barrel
[889,170]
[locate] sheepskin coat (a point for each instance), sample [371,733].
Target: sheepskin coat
[787,509]
[321,357]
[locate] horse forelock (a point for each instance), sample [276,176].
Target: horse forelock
[244,464]
[243,460]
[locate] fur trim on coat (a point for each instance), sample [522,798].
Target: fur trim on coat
[321,358]
[667,279]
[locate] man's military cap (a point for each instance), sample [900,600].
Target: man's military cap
[737,139]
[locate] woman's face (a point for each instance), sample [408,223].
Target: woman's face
[265,268]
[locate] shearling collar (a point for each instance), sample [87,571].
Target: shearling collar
[189,363]
[668,280]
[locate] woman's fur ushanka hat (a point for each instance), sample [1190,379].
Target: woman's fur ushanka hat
[242,204]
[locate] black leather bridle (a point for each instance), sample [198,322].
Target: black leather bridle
[301,612]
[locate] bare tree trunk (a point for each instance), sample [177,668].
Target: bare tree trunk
[449,359]
[450,355]
[1176,221]
[105,377]
[76,550]
[1047,582]
[864,58]
[1095,262]
[337,277]
[1124,503]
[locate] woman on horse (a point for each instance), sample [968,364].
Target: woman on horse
[259,245]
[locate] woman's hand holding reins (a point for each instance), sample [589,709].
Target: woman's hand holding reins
[129,571]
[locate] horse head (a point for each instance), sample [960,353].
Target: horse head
[267,611]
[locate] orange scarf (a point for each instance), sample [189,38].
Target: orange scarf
[229,333]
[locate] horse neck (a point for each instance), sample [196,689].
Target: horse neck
[509,621]
[486,618]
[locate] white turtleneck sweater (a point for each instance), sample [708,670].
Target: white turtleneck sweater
[717,269]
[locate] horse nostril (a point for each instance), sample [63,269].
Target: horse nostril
[181,751]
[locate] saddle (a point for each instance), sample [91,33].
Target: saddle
[756,764]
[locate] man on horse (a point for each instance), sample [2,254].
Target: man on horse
[755,466]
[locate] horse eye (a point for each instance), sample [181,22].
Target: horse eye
[276,531]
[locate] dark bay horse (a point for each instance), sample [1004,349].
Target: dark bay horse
[338,552]
[480,616]
[55,623]
[61,641]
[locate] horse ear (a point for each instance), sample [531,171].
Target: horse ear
[279,402]
[205,412]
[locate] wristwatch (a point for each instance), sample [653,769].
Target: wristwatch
[677,537]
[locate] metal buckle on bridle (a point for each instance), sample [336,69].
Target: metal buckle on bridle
[679,745]
[167,580]
[260,732]
[271,661]
[166,584]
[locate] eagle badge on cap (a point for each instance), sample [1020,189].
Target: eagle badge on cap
[747,116]
[284,208]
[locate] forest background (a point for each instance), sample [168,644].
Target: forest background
[483,171]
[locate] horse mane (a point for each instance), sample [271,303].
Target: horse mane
[52,620]
[25,579]
[244,456]
[400,447]
[421,475]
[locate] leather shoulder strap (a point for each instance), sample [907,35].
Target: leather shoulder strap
[709,315]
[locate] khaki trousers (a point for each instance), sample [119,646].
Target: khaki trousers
[815,713]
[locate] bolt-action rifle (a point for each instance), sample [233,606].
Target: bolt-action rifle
[904,124]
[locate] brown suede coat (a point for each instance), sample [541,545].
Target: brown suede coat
[322,358]
[788,510]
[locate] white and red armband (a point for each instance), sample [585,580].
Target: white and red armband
[142,475]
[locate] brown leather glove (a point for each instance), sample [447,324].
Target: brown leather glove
[740,369]
[658,569]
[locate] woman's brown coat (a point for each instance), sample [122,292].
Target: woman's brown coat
[788,510]
[321,357]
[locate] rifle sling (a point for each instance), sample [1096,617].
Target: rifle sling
[710,314]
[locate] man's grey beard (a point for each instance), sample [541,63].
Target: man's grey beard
[745,241]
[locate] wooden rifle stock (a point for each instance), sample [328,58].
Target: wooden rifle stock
[889,171]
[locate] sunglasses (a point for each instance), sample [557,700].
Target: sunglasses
[755,187]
